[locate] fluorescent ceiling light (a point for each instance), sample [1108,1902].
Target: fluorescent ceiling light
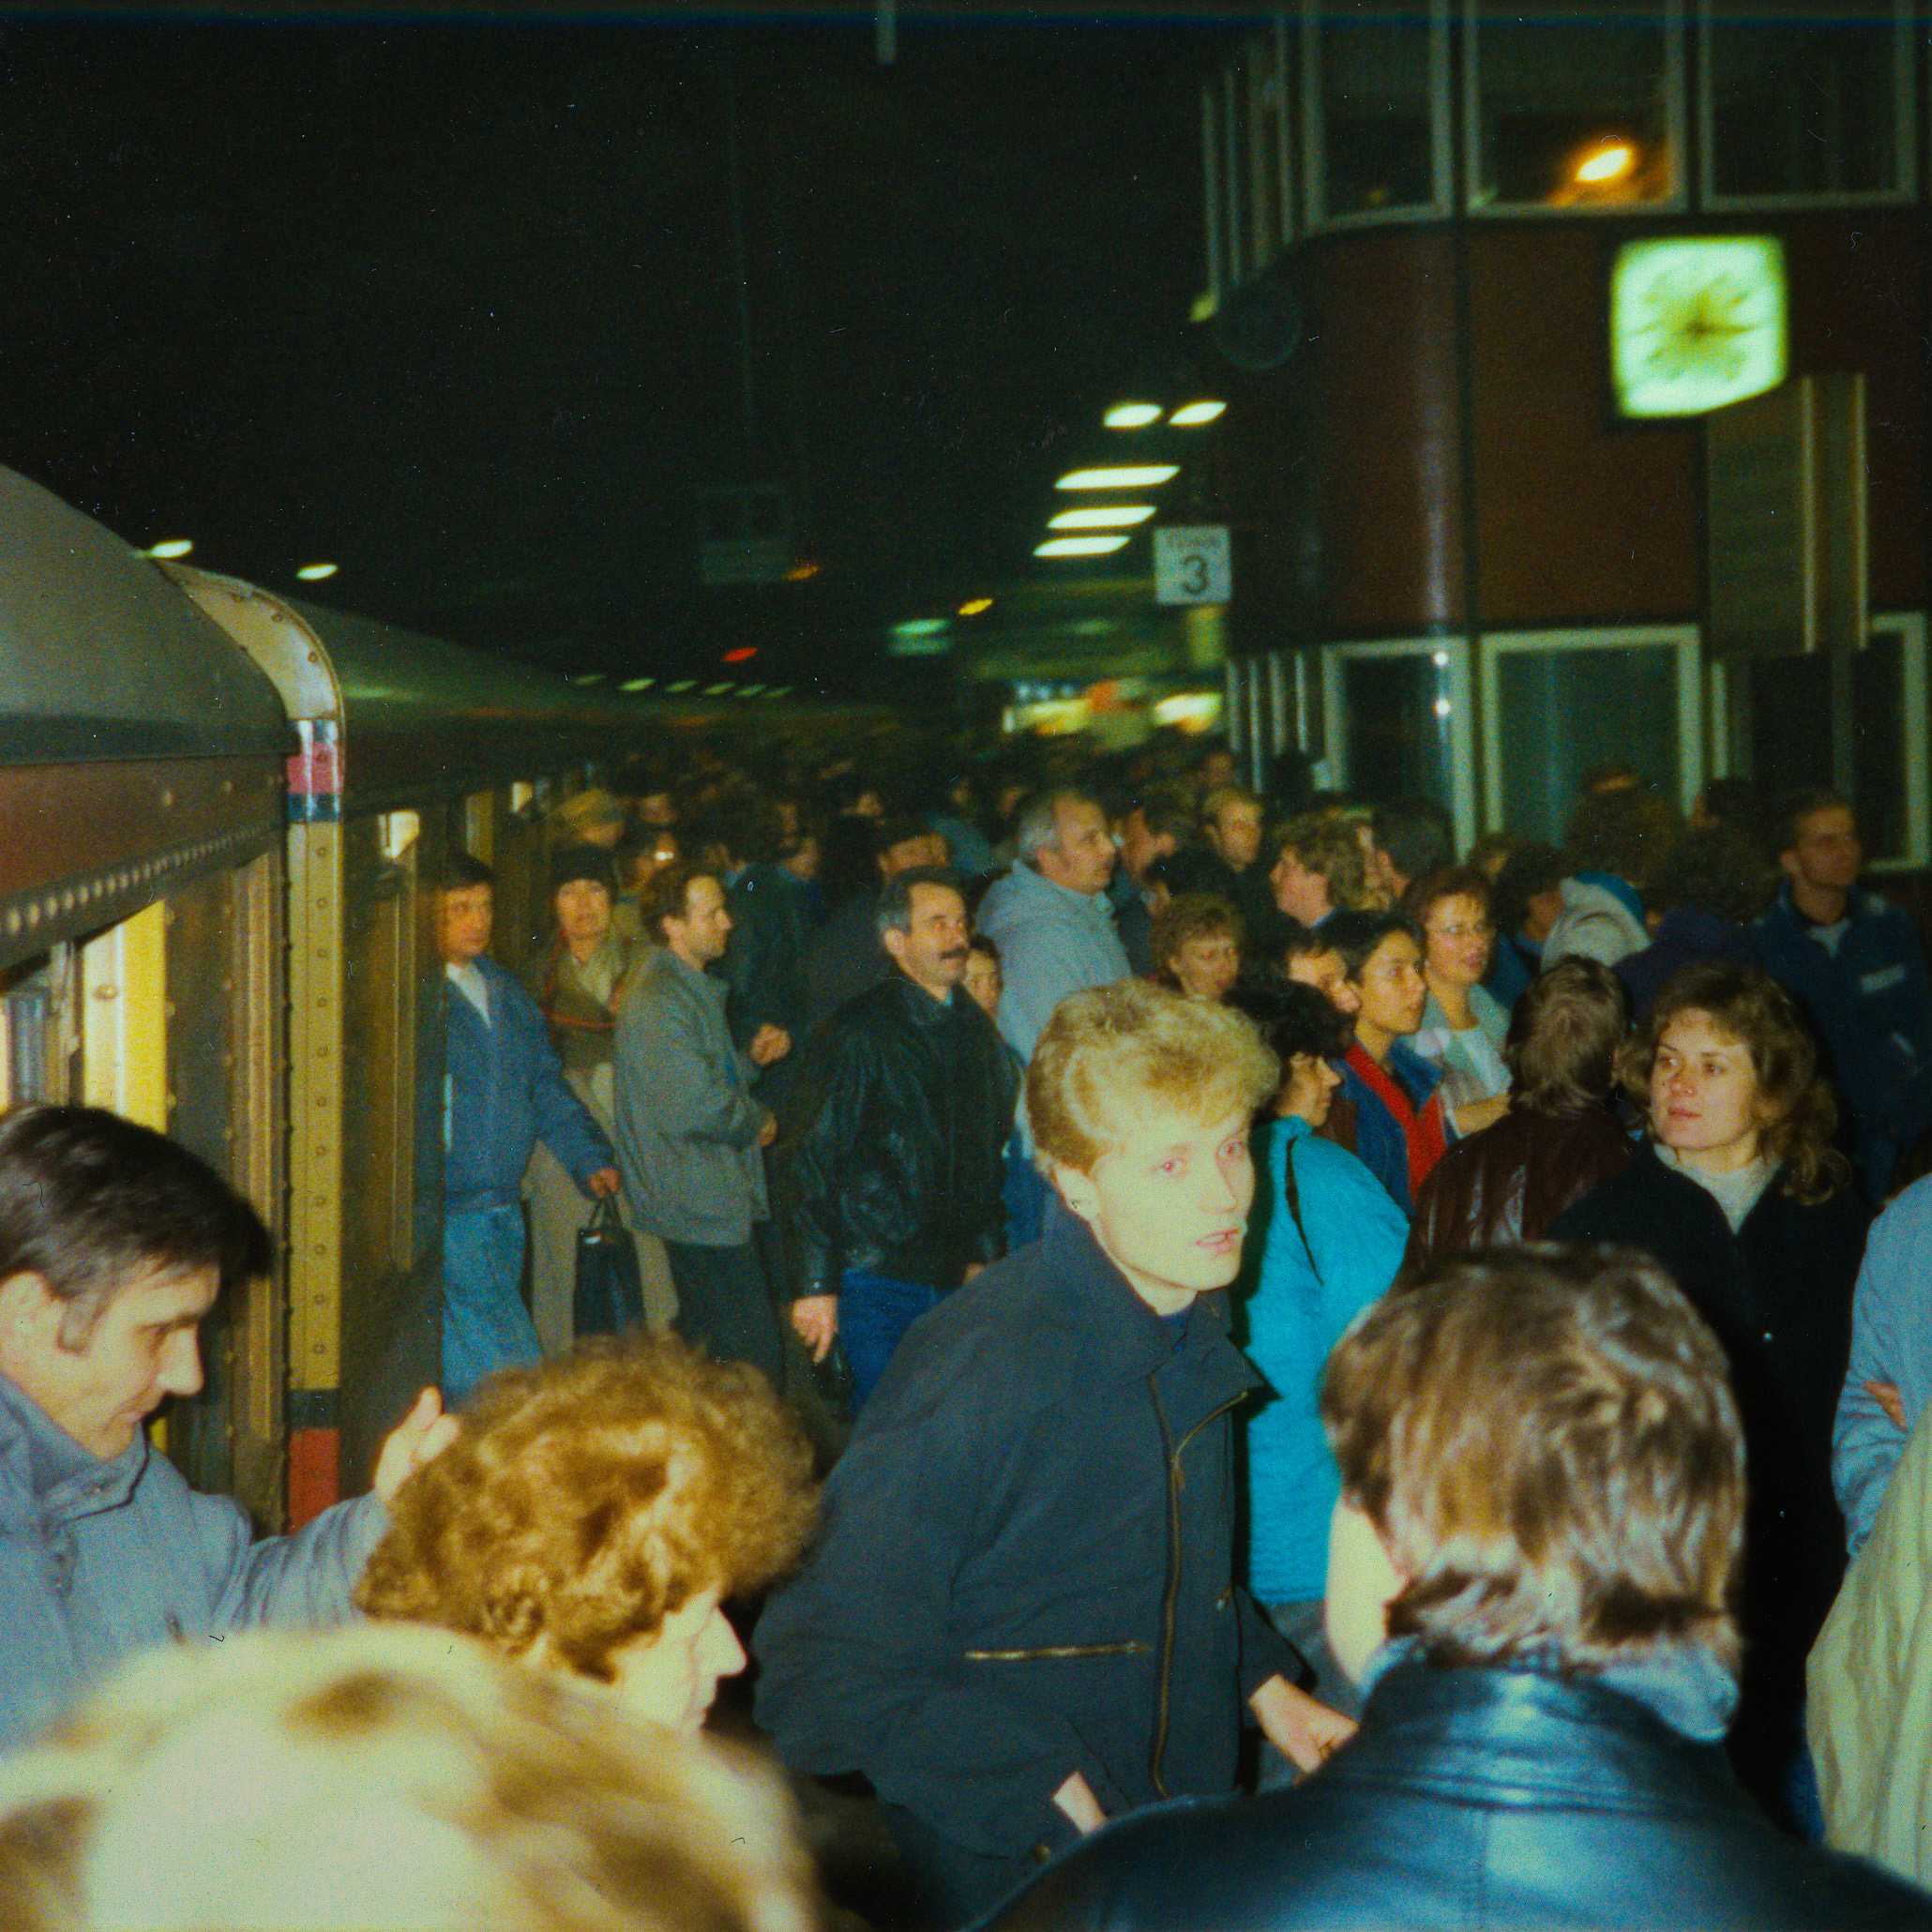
[1131,416]
[1189,414]
[920,628]
[637,684]
[588,677]
[1607,163]
[1119,476]
[974,606]
[716,690]
[681,685]
[1117,516]
[315,573]
[1078,546]
[174,547]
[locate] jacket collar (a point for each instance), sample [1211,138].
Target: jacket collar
[46,1463]
[1500,1734]
[690,978]
[919,1005]
[1126,1341]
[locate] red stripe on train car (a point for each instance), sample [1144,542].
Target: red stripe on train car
[313,1482]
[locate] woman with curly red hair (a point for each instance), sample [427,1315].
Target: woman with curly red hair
[596,1512]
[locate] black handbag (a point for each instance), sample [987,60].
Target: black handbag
[609,1293]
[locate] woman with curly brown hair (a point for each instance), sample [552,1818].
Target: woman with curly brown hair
[1741,1195]
[594,1514]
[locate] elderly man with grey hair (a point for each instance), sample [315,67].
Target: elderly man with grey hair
[1049,916]
[890,1180]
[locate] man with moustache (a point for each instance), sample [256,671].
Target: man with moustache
[891,1183]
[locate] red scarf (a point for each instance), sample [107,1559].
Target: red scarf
[1424,1132]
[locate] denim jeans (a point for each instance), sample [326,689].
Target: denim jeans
[874,1312]
[485,1324]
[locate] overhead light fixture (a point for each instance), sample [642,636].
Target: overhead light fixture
[749,690]
[920,628]
[1119,476]
[637,684]
[1609,162]
[779,691]
[315,573]
[1112,516]
[974,606]
[716,690]
[588,677]
[1132,416]
[740,655]
[801,572]
[174,547]
[684,683]
[1190,415]
[1078,546]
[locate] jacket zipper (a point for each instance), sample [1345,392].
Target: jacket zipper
[1169,1598]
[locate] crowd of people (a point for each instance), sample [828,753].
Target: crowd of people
[1127,1267]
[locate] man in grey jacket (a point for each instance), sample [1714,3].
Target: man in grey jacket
[114,1242]
[689,1131]
[1049,916]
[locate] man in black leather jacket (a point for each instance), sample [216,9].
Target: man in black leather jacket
[1541,1515]
[890,1184]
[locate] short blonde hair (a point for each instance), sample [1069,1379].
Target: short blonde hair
[1112,1046]
[381,1775]
[587,1499]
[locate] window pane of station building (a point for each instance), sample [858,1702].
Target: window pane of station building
[1804,107]
[1789,736]
[1373,106]
[1559,712]
[1397,726]
[1573,105]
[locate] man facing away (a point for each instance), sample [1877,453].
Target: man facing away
[1854,962]
[892,1180]
[506,1090]
[1542,1511]
[1021,1616]
[114,1244]
[1049,916]
[689,1131]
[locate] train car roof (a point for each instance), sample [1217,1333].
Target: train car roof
[102,658]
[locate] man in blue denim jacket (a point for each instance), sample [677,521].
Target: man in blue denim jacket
[113,1243]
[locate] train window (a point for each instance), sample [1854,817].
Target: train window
[1399,722]
[1557,704]
[1814,107]
[1573,108]
[1854,721]
[1375,89]
[26,1020]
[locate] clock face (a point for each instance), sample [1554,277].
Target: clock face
[1696,322]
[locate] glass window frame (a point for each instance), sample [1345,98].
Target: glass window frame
[1904,136]
[1315,217]
[1332,771]
[1915,720]
[1686,639]
[1676,203]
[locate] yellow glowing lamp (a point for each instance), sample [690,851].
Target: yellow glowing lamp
[1696,322]
[1606,163]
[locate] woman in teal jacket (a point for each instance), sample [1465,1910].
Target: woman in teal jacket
[1323,1241]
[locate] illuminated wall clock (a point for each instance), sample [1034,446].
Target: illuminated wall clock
[1695,322]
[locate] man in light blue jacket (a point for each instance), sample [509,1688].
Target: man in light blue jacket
[1051,917]
[114,1242]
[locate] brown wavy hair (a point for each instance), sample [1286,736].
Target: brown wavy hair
[1546,1440]
[1800,1113]
[1192,916]
[587,1499]
[1561,1046]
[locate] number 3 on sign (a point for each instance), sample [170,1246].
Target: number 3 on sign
[1192,565]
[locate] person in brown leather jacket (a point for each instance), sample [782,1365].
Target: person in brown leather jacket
[1558,1138]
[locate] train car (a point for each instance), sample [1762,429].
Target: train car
[223,813]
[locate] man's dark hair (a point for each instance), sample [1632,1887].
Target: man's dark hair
[90,1201]
[1789,815]
[1293,1018]
[666,894]
[1164,810]
[458,873]
[1735,802]
[1564,1036]
[1414,835]
[1721,870]
[1527,873]
[1628,833]
[892,832]
[896,895]
[1356,935]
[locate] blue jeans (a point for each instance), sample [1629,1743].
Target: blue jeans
[874,1312]
[485,1324]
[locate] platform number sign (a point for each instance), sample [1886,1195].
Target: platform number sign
[1192,565]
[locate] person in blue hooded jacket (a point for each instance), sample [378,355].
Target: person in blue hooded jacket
[1324,1240]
